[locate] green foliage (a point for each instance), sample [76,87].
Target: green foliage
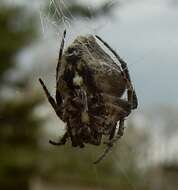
[16,31]
[18,125]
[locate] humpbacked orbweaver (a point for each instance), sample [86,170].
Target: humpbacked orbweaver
[89,87]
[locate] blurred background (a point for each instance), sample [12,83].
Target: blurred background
[144,33]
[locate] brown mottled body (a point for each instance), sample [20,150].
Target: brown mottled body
[89,87]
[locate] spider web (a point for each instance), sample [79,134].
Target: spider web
[58,17]
[53,17]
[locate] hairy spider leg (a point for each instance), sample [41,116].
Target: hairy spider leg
[131,92]
[113,130]
[131,98]
[119,133]
[72,137]
[112,138]
[104,154]
[124,107]
[49,97]
[56,109]
[110,144]
[60,55]
[122,62]
[97,138]
[123,111]
[58,95]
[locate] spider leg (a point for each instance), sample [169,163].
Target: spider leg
[115,101]
[96,138]
[58,95]
[131,92]
[122,62]
[80,140]
[113,131]
[108,148]
[72,136]
[120,132]
[112,141]
[49,97]
[60,55]
[109,47]
[119,109]
[62,140]
[131,95]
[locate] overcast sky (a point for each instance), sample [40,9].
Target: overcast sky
[145,34]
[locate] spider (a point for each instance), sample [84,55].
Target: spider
[89,90]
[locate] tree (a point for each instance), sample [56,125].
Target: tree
[18,124]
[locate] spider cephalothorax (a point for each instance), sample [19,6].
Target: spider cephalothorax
[89,87]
